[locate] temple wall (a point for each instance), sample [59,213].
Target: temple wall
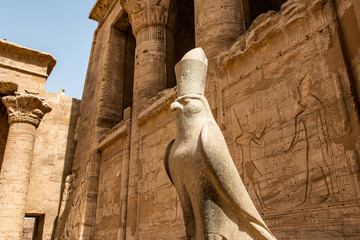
[289,115]
[349,30]
[54,138]
[53,153]
[284,95]
[27,67]
[159,210]
[28,82]
[111,203]
[99,112]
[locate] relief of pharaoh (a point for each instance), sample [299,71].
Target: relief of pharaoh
[214,200]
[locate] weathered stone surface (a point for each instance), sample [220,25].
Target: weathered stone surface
[291,110]
[283,86]
[52,160]
[25,108]
[214,200]
[53,142]
[8,88]
[26,67]
[25,113]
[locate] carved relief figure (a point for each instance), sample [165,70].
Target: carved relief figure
[67,187]
[64,205]
[214,200]
[244,140]
[311,117]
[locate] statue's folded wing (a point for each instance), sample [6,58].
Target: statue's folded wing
[227,180]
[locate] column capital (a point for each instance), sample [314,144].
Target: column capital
[26,108]
[144,13]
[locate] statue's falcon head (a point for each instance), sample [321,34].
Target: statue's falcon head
[191,105]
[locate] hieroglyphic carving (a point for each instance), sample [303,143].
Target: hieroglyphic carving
[311,119]
[251,171]
[353,162]
[295,162]
[355,65]
[72,229]
[339,92]
[67,187]
[325,41]
[64,206]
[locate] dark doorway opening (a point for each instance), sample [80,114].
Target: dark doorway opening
[181,35]
[257,7]
[129,56]
[4,129]
[33,226]
[123,65]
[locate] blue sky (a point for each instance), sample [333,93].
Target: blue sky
[59,27]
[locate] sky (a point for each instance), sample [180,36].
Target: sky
[61,28]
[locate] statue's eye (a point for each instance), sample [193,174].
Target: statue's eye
[186,100]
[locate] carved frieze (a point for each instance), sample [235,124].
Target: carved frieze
[101,9]
[26,108]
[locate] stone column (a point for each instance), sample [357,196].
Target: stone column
[24,115]
[217,25]
[149,23]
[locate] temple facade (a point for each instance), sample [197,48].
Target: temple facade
[283,84]
[36,143]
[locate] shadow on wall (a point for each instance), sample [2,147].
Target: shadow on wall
[257,7]
[182,37]
[64,205]
[4,129]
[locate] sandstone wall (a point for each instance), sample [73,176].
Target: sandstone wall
[54,142]
[289,114]
[26,67]
[285,95]
[111,205]
[53,154]
[99,112]
[159,214]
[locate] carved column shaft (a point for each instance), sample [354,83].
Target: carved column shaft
[150,64]
[14,179]
[149,24]
[217,25]
[25,113]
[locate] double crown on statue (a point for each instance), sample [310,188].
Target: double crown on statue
[191,73]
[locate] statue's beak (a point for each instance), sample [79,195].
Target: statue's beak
[175,105]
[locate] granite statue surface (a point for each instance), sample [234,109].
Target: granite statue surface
[214,200]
